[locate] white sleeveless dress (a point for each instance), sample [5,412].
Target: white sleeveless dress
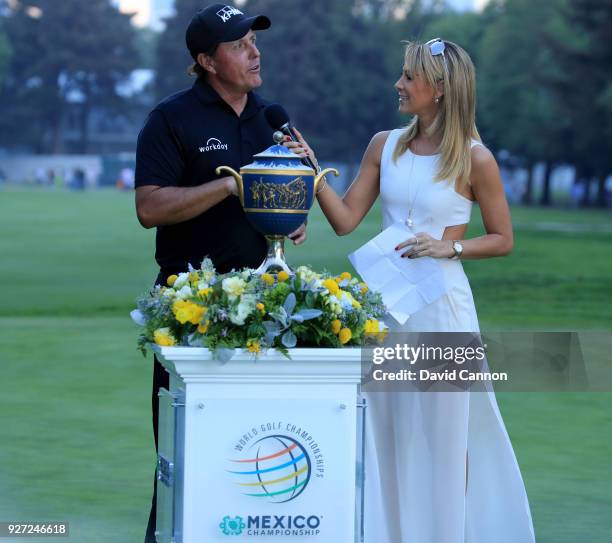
[416,442]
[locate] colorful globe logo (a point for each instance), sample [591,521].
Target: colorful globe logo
[278,469]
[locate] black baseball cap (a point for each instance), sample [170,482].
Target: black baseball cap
[220,23]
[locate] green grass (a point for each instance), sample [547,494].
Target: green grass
[75,402]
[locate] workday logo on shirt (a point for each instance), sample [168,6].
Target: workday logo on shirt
[213,144]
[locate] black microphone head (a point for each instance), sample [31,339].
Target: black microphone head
[277,116]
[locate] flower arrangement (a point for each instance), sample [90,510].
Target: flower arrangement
[201,308]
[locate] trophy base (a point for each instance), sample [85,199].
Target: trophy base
[275,259]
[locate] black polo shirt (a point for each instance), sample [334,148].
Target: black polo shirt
[184,139]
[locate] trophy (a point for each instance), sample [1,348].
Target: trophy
[276,192]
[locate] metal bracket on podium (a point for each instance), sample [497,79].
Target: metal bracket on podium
[165,470]
[362,405]
[170,465]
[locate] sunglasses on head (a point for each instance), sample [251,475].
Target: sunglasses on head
[437,47]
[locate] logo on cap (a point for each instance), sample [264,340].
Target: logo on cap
[228,12]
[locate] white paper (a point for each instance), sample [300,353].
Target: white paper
[406,284]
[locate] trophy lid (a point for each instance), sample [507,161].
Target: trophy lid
[278,156]
[276,151]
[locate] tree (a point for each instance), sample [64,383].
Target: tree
[583,86]
[5,55]
[173,58]
[517,111]
[330,73]
[66,55]
[466,29]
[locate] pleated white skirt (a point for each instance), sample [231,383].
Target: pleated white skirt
[439,466]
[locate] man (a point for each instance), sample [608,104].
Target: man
[219,121]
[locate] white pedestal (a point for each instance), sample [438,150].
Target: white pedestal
[267,449]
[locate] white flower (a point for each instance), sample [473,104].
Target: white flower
[346,300]
[307,275]
[207,265]
[202,285]
[138,317]
[169,293]
[234,286]
[246,306]
[184,293]
[334,304]
[181,280]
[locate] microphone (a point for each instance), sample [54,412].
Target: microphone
[278,118]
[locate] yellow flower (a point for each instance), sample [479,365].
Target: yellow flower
[335,326]
[203,328]
[355,303]
[371,327]
[363,287]
[267,279]
[261,308]
[204,292]
[193,278]
[332,286]
[253,346]
[170,281]
[345,335]
[163,337]
[186,311]
[345,275]
[375,328]
[282,275]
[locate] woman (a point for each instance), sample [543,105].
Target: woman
[439,465]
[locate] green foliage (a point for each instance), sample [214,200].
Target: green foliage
[330,73]
[582,84]
[146,43]
[67,55]
[544,70]
[5,55]
[517,112]
[173,58]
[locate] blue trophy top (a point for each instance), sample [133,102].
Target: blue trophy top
[277,157]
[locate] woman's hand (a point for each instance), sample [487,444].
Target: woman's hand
[422,244]
[300,147]
[298,236]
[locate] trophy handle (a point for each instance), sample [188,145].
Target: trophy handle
[237,177]
[322,174]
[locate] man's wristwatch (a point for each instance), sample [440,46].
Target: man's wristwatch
[458,249]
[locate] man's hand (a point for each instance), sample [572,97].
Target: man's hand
[298,236]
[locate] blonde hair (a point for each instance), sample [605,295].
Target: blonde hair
[455,120]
